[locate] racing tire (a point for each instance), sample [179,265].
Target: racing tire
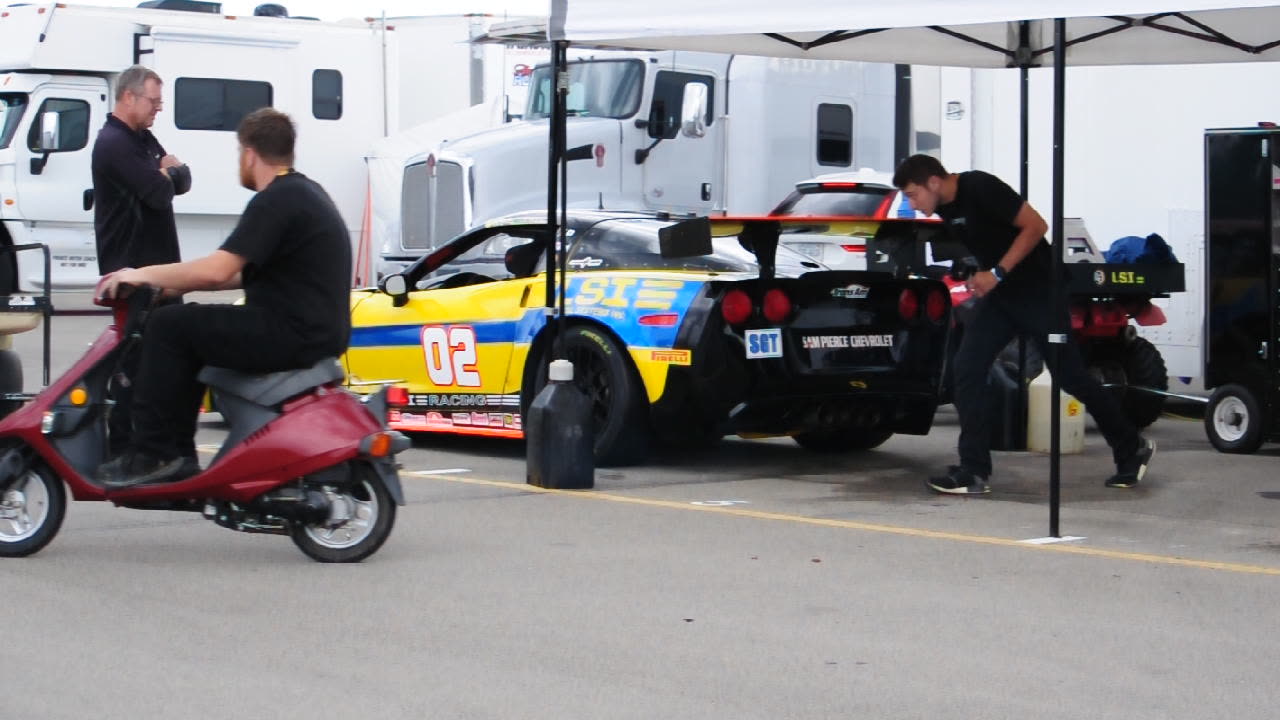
[1234,420]
[1143,367]
[842,440]
[371,515]
[10,380]
[31,511]
[619,405]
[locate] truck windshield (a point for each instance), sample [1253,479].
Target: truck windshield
[597,88]
[11,107]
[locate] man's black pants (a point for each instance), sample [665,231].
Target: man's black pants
[181,339]
[999,318]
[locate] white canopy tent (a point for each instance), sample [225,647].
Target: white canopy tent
[977,33]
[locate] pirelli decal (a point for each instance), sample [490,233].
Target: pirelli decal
[673,357]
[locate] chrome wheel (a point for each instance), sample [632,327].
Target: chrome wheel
[351,519]
[24,509]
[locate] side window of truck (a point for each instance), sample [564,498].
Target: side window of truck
[668,95]
[835,135]
[326,94]
[73,125]
[216,104]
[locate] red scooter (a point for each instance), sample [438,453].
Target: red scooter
[303,456]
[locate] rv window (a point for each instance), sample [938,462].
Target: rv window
[326,94]
[73,125]
[215,104]
[835,135]
[11,107]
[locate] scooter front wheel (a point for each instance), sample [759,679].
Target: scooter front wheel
[361,516]
[31,510]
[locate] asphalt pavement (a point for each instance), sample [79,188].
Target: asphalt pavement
[753,580]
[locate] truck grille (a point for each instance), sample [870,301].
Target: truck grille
[420,230]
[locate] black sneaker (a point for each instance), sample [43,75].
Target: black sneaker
[959,481]
[137,468]
[1130,471]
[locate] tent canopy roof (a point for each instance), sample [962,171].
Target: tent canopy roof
[978,33]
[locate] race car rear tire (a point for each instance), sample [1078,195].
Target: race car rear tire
[619,405]
[1143,367]
[842,440]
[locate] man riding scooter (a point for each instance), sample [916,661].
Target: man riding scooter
[290,253]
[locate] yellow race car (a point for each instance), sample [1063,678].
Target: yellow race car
[743,336]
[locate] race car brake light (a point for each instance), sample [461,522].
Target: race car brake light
[663,320]
[935,305]
[735,307]
[908,304]
[776,306]
[854,248]
[835,185]
[397,396]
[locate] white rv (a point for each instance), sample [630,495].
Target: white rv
[342,82]
[676,131]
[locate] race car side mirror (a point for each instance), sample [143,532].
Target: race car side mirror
[397,287]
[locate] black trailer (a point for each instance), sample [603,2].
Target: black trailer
[1242,318]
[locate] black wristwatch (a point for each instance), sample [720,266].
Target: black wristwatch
[999,273]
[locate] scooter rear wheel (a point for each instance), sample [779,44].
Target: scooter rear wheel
[361,519]
[31,512]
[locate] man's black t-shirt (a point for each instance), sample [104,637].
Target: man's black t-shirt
[981,216]
[298,262]
[132,200]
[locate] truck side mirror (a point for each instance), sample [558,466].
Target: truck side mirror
[49,135]
[693,110]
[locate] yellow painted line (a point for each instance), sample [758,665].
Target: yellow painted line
[871,527]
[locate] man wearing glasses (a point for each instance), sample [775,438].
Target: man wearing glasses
[134,182]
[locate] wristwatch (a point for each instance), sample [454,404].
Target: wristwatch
[999,273]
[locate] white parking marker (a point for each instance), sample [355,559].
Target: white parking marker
[1051,540]
[446,471]
[719,503]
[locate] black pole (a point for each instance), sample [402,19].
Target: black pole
[902,123]
[559,93]
[1057,333]
[1024,188]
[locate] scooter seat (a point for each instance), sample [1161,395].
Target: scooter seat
[271,388]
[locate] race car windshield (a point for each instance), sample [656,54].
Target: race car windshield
[633,245]
[863,200]
[11,107]
[597,88]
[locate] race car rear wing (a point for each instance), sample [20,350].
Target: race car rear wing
[894,245]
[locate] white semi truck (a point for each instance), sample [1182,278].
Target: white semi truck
[675,131]
[346,84]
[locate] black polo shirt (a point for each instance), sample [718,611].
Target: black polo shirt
[132,200]
[298,262]
[981,216]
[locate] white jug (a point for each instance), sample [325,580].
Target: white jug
[1039,415]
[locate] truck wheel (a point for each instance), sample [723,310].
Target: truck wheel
[1143,367]
[842,440]
[10,380]
[619,406]
[1233,421]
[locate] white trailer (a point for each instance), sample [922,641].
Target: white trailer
[346,85]
[677,131]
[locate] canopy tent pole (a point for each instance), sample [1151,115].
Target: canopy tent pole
[1057,304]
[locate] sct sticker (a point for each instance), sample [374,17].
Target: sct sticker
[764,343]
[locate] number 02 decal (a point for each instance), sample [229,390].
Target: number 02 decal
[450,354]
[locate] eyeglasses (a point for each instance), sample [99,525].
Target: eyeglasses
[156,102]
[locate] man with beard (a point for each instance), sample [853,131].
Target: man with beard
[291,254]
